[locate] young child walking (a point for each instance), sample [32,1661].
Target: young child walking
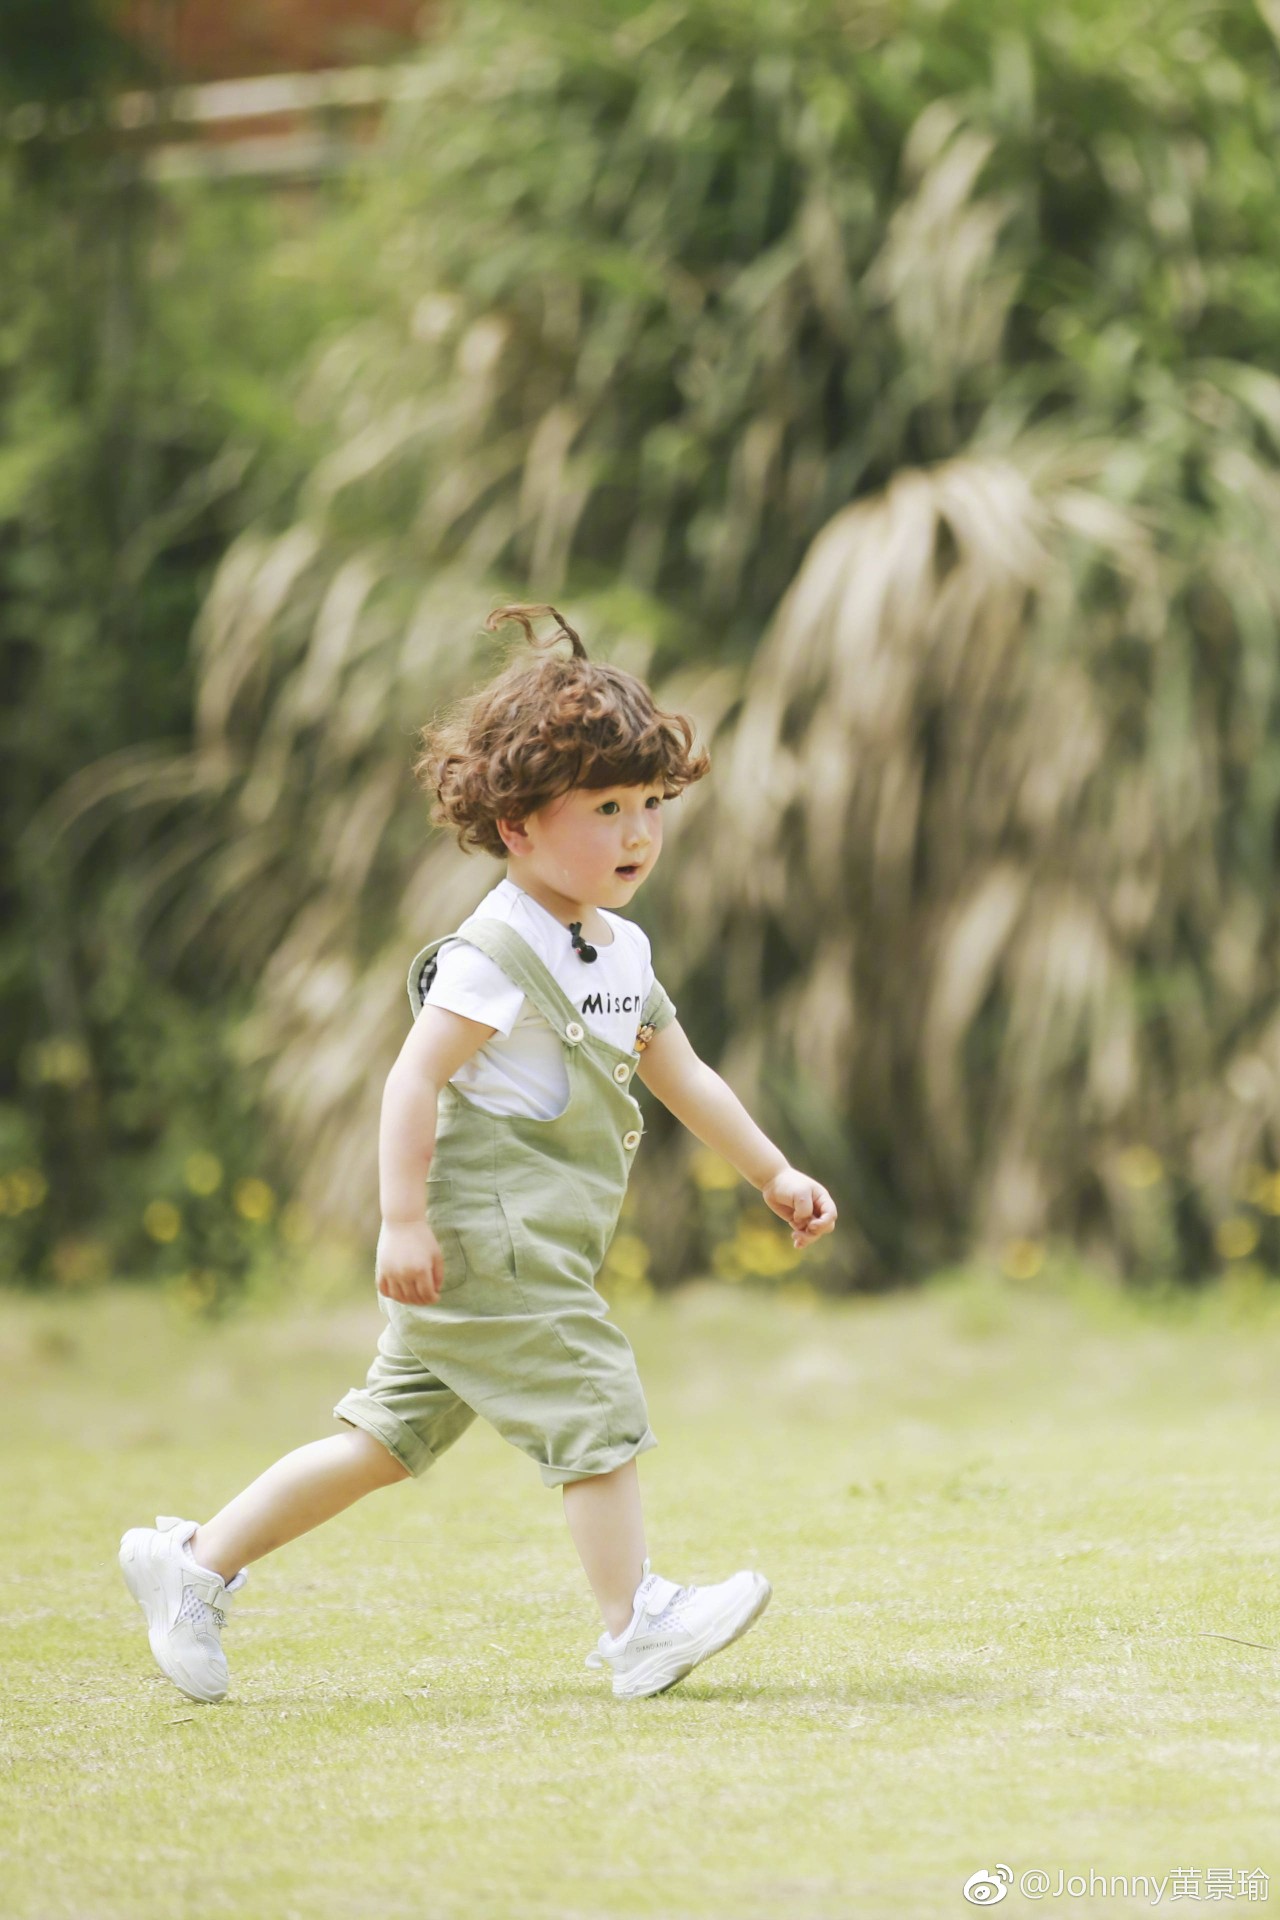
[509,1113]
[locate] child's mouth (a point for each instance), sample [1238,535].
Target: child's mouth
[628,873]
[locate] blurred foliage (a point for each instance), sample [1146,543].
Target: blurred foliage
[143,340]
[87,56]
[936,344]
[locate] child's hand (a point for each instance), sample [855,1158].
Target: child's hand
[807,1207]
[410,1265]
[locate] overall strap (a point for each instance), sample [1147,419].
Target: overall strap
[512,952]
[520,963]
[422,971]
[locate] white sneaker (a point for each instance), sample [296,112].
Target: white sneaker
[185,1605]
[674,1628]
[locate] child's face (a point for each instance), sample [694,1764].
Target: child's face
[578,844]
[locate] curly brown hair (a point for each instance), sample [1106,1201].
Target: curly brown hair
[541,728]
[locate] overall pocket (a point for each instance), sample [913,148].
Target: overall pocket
[439,1200]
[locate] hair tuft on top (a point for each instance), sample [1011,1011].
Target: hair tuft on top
[525,617]
[544,725]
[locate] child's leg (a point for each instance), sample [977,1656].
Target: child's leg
[607,1525]
[307,1486]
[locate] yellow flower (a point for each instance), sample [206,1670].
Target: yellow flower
[1246,1283]
[625,1275]
[766,1250]
[1253,1183]
[254,1200]
[196,1289]
[628,1257]
[61,1062]
[1139,1166]
[203,1172]
[78,1263]
[162,1221]
[27,1187]
[1235,1238]
[711,1173]
[1022,1259]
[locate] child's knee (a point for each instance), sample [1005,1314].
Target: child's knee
[376,1458]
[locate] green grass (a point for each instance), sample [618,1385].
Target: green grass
[1017,1536]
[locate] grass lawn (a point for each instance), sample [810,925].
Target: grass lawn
[1020,1537]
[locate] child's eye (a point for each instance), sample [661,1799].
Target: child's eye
[654,800]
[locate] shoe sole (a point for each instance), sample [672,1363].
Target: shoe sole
[635,1687]
[145,1581]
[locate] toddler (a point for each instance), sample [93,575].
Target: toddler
[509,1108]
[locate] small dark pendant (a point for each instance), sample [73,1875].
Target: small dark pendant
[580,946]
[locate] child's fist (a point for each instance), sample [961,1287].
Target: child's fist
[807,1207]
[410,1265]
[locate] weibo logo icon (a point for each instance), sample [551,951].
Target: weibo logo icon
[983,1889]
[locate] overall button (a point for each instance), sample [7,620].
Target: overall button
[573,1032]
[630,1140]
[622,1072]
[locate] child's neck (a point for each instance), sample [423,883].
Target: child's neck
[566,911]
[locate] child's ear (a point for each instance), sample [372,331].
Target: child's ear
[515,835]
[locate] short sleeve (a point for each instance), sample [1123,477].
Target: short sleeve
[470,983]
[659,1008]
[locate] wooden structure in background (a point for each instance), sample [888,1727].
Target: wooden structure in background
[194,40]
[265,88]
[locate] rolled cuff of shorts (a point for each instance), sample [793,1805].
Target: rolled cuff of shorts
[607,1461]
[362,1410]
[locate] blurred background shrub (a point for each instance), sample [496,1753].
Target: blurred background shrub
[146,343]
[895,387]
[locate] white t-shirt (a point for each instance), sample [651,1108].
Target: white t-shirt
[521,1069]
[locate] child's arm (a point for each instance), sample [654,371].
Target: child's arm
[409,1263]
[713,1113]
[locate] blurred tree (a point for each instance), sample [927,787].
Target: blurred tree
[86,55]
[142,341]
[942,338]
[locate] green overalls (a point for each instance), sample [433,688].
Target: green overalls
[524,1211]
